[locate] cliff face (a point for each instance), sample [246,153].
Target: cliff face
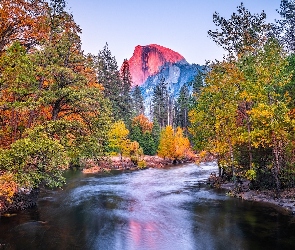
[175,75]
[148,60]
[149,64]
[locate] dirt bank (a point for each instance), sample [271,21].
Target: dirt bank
[285,200]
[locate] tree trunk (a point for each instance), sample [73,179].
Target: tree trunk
[277,162]
[249,144]
[56,109]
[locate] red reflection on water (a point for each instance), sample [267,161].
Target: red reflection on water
[143,232]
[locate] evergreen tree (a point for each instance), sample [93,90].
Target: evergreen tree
[143,132]
[126,100]
[109,76]
[137,100]
[156,131]
[198,82]
[160,103]
[183,106]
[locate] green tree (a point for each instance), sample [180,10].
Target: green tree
[137,100]
[286,25]
[182,107]
[126,102]
[242,32]
[35,161]
[142,132]
[160,103]
[109,76]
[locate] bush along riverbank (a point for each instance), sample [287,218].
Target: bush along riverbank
[22,199]
[283,200]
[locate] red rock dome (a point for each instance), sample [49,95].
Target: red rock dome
[147,60]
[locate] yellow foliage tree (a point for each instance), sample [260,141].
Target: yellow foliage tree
[166,145]
[181,144]
[173,145]
[119,142]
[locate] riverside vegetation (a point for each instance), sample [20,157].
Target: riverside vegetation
[61,108]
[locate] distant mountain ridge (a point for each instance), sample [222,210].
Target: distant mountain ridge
[149,64]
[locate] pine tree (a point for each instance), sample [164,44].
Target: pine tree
[126,102]
[109,76]
[183,106]
[142,131]
[160,103]
[137,100]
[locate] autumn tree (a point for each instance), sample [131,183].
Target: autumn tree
[18,93]
[173,145]
[182,145]
[23,21]
[69,92]
[118,138]
[166,145]
[214,117]
[53,112]
[121,144]
[243,105]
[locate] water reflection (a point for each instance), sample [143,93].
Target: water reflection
[150,209]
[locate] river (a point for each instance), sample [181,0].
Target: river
[159,209]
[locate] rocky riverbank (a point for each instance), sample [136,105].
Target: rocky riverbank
[116,163]
[283,201]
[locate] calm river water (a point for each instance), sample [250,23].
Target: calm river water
[150,209]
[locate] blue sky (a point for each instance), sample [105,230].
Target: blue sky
[180,25]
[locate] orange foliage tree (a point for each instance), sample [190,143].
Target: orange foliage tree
[173,145]
[23,21]
[143,122]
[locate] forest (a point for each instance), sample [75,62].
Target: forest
[60,108]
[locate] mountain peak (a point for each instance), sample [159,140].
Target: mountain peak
[147,61]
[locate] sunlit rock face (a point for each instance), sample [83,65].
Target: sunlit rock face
[148,60]
[149,64]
